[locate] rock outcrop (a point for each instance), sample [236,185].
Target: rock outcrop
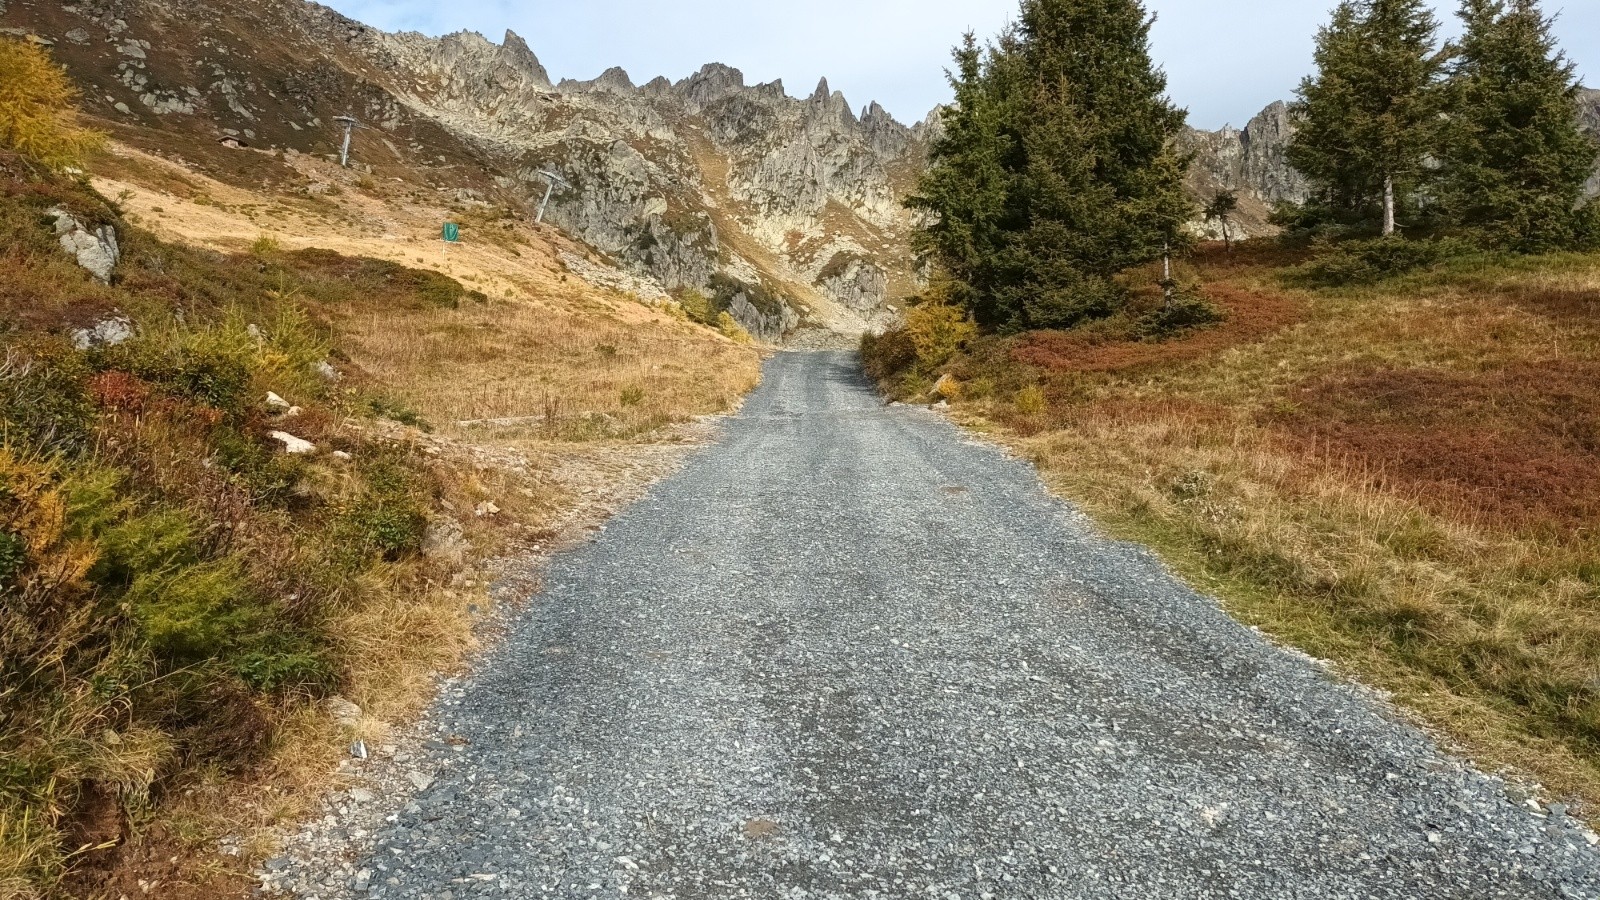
[94,247]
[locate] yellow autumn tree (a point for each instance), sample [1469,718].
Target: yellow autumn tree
[37,118]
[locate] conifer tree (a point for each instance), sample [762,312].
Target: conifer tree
[965,189]
[1223,205]
[37,119]
[1516,161]
[1368,120]
[1066,132]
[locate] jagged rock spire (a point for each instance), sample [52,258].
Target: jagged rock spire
[516,52]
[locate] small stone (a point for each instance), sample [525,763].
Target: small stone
[342,456]
[361,795]
[292,445]
[420,780]
[487,508]
[343,711]
[276,402]
[326,370]
[358,749]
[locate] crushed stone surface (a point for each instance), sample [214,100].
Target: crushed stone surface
[847,652]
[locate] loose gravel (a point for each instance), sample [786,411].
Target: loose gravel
[848,653]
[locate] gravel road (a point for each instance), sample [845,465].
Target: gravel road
[847,652]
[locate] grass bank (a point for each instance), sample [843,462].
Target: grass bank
[181,596]
[1403,478]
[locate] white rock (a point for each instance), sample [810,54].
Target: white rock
[95,249]
[293,445]
[326,370]
[419,780]
[487,508]
[342,456]
[276,402]
[106,332]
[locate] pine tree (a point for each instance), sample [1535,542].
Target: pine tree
[1516,162]
[1368,120]
[1065,134]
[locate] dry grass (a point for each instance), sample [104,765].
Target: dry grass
[550,401]
[1400,479]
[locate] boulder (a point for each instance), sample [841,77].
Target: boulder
[95,249]
[107,332]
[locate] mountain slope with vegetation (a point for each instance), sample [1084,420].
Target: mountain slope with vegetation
[243,487]
[772,207]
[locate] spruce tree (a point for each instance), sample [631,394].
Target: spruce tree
[1368,120]
[1516,162]
[965,188]
[1073,176]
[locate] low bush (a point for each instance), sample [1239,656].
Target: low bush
[888,353]
[1368,261]
[1187,311]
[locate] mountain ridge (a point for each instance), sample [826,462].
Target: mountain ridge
[786,210]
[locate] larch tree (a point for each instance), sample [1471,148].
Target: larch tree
[1516,161]
[37,119]
[1369,119]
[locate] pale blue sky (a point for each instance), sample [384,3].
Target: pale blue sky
[1225,59]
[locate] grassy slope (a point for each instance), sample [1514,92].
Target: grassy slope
[1404,479]
[178,595]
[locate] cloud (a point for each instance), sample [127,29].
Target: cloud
[1225,59]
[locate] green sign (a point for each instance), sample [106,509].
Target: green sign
[452,232]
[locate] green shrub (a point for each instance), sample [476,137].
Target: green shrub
[396,410]
[44,401]
[389,517]
[1372,260]
[698,307]
[937,330]
[1187,311]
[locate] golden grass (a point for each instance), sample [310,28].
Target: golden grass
[550,399]
[1486,630]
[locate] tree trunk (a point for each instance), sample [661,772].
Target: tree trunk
[1166,273]
[1388,206]
[1227,242]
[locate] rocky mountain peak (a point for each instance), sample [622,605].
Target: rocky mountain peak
[517,54]
[886,136]
[713,82]
[614,80]
[830,107]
